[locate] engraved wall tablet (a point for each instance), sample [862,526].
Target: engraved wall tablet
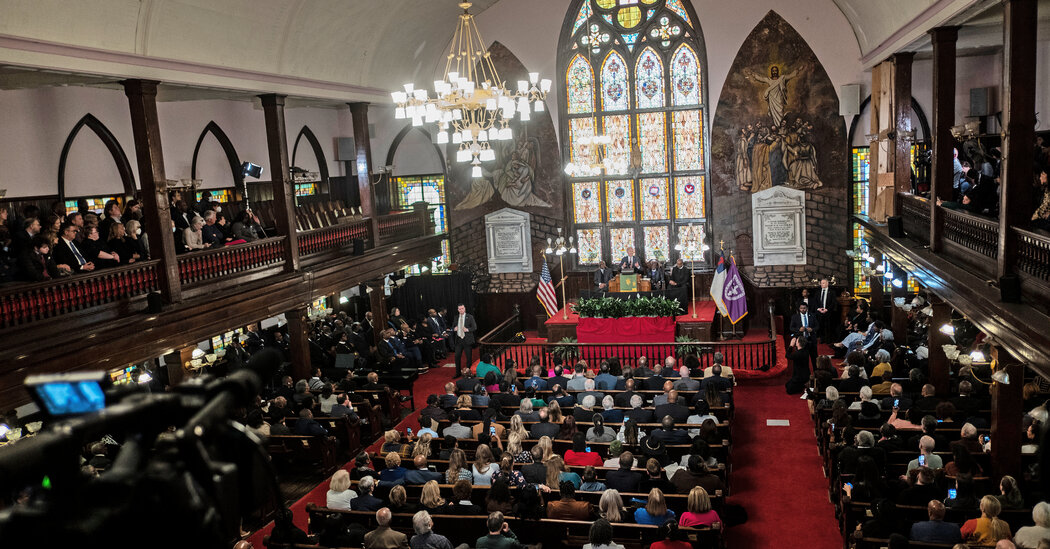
[778,217]
[508,237]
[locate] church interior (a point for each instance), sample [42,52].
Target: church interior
[525,273]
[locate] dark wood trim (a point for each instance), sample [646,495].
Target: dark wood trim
[315,146]
[299,342]
[1007,406]
[145,125]
[127,178]
[1017,194]
[362,142]
[939,367]
[280,180]
[227,147]
[902,122]
[943,39]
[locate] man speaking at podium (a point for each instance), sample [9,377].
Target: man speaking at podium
[631,263]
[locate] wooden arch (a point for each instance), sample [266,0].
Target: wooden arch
[127,177]
[392,152]
[315,145]
[227,147]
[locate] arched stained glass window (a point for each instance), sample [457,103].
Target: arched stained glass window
[616,91]
[580,86]
[634,72]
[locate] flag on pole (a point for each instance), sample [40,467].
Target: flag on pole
[545,291]
[733,293]
[718,285]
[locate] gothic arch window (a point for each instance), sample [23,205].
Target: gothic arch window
[634,71]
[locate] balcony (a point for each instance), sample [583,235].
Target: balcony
[55,326]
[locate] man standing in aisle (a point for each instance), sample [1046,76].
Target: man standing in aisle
[827,311]
[804,325]
[464,329]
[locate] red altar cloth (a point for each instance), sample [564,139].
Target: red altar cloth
[634,329]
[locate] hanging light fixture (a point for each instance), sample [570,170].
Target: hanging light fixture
[471,105]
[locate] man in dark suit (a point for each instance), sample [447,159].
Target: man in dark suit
[22,239]
[655,274]
[827,306]
[584,410]
[67,253]
[623,399]
[643,370]
[467,382]
[668,434]
[507,396]
[804,322]
[35,264]
[896,400]
[308,426]
[865,446]
[438,330]
[544,427]
[853,381]
[936,530]
[562,397]
[637,413]
[535,472]
[679,275]
[624,479]
[631,263]
[673,409]
[464,328]
[602,276]
[966,404]
[389,353]
[421,474]
[927,404]
[365,501]
[924,490]
[559,378]
[929,428]
[356,339]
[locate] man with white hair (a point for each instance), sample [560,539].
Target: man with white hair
[1030,536]
[686,383]
[366,501]
[865,396]
[637,413]
[423,525]
[864,445]
[609,412]
[931,460]
[588,390]
[668,370]
[584,410]
[383,537]
[968,438]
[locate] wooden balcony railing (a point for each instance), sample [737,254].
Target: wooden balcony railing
[334,237]
[976,233]
[915,214]
[200,266]
[1033,254]
[40,300]
[401,225]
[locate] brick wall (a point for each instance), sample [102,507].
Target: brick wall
[470,253]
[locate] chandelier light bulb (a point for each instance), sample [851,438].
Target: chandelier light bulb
[487,155]
[399,113]
[538,107]
[409,87]
[457,138]
[525,116]
[534,77]
[545,85]
[442,137]
[948,330]
[475,171]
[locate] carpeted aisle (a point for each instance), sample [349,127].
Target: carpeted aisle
[432,382]
[777,473]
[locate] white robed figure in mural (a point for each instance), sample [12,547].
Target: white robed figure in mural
[776,90]
[513,179]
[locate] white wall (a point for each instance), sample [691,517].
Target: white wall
[36,122]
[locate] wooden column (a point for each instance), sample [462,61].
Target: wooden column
[299,342]
[142,98]
[363,144]
[177,373]
[1019,67]
[939,366]
[901,124]
[377,300]
[899,318]
[943,39]
[1007,411]
[283,194]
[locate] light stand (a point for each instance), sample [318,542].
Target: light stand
[691,248]
[557,247]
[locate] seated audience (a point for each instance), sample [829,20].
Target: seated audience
[1029,537]
[580,454]
[698,509]
[624,479]
[601,536]
[935,530]
[339,493]
[500,535]
[425,538]
[366,501]
[461,504]
[988,529]
[567,507]
[610,506]
[394,472]
[655,511]
[383,537]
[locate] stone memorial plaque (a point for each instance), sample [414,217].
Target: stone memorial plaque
[508,241]
[778,217]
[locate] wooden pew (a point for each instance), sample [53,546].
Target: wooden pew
[298,450]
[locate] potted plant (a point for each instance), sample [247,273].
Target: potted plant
[566,350]
[686,346]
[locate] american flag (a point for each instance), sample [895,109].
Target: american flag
[545,291]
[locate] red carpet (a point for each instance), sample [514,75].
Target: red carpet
[777,473]
[432,382]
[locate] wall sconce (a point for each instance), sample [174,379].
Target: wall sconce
[871,137]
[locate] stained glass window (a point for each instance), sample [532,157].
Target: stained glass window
[423,188]
[685,77]
[649,79]
[634,75]
[620,239]
[859,161]
[586,202]
[656,243]
[616,90]
[589,246]
[96,204]
[652,141]
[618,151]
[653,198]
[580,130]
[692,237]
[580,79]
[619,200]
[222,196]
[305,189]
[689,197]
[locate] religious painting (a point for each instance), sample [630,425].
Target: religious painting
[526,174]
[589,246]
[692,239]
[653,195]
[619,200]
[620,239]
[777,125]
[652,141]
[689,197]
[655,246]
[586,202]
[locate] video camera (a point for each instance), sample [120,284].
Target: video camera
[185,475]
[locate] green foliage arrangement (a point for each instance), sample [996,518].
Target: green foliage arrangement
[608,307]
[566,349]
[688,346]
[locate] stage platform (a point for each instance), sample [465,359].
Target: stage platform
[699,328]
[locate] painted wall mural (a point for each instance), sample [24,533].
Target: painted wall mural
[777,124]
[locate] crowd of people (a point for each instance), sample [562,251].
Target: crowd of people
[525,477]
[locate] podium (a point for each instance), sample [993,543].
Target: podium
[630,283]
